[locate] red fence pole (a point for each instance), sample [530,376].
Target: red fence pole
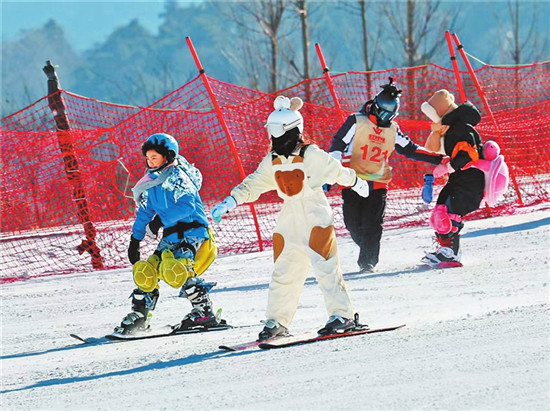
[230,141]
[460,49]
[57,107]
[329,81]
[455,67]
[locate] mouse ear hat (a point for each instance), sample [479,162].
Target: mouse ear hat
[286,116]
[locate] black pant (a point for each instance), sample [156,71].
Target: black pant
[463,192]
[364,218]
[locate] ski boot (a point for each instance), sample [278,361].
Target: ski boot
[366,269]
[201,315]
[138,319]
[447,253]
[337,324]
[272,329]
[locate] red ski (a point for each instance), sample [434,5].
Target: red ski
[256,343]
[296,340]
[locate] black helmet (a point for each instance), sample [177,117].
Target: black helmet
[385,106]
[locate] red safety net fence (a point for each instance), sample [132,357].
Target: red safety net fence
[66,201]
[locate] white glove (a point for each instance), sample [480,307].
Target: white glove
[224,207]
[336,155]
[361,187]
[442,169]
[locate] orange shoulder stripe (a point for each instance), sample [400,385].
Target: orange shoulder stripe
[464,146]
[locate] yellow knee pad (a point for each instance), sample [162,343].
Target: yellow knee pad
[174,271]
[206,254]
[146,274]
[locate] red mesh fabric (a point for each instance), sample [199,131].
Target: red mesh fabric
[65,199]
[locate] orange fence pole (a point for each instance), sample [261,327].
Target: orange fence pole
[230,141]
[460,48]
[329,81]
[461,91]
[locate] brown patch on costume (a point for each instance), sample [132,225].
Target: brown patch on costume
[290,182]
[323,241]
[278,245]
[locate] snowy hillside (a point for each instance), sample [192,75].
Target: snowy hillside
[477,337]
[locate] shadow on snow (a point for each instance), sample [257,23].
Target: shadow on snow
[191,359]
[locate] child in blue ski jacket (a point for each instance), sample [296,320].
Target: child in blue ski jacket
[168,194]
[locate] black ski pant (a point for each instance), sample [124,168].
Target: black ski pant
[364,218]
[463,192]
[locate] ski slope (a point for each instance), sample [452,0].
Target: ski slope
[477,337]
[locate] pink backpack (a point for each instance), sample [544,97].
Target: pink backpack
[497,176]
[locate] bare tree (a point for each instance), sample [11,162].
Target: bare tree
[419,30]
[263,17]
[247,61]
[363,8]
[523,41]
[302,9]
[370,36]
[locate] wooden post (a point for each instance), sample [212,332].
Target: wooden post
[72,171]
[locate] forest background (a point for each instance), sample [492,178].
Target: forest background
[266,45]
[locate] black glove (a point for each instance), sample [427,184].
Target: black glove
[133,250]
[154,226]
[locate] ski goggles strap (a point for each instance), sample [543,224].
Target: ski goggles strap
[277,130]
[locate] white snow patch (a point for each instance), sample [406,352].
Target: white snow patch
[477,337]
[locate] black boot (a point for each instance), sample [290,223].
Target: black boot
[138,320]
[337,324]
[448,250]
[272,329]
[201,315]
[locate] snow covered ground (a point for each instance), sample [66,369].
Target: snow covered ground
[477,337]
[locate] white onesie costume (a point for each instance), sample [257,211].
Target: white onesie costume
[304,234]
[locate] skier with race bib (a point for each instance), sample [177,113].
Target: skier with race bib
[364,143]
[304,235]
[168,194]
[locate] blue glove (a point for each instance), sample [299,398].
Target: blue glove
[326,187]
[428,189]
[224,207]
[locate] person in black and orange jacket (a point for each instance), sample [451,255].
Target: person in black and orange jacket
[453,133]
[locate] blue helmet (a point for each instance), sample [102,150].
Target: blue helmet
[385,106]
[163,144]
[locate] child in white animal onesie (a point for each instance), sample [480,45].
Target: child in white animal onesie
[304,235]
